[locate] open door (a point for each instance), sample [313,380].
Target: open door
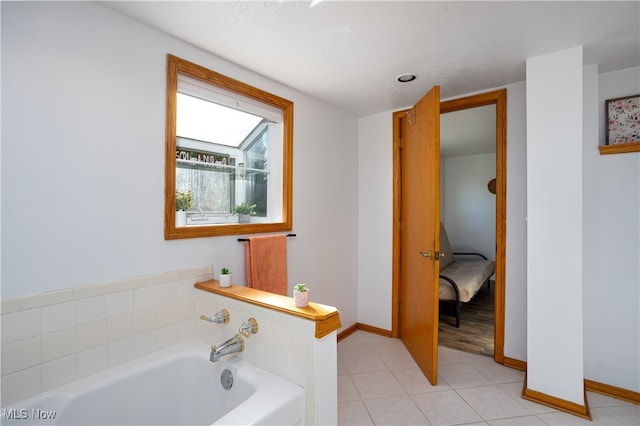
[419,232]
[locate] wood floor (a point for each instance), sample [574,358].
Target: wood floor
[476,324]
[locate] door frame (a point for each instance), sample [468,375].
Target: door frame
[499,99]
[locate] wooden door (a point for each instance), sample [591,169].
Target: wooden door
[420,232]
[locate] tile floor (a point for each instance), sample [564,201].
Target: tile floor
[380,384]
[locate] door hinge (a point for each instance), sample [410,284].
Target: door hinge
[400,143]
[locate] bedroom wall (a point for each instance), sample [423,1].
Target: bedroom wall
[469,208]
[83,91]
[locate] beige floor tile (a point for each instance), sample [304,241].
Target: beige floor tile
[491,403]
[353,414]
[378,385]
[627,414]
[414,381]
[445,408]
[564,419]
[368,362]
[460,376]
[400,410]
[498,373]
[518,421]
[397,360]
[347,390]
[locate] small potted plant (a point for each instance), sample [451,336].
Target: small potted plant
[301,295]
[244,212]
[184,201]
[225,277]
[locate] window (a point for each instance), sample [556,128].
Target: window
[227,144]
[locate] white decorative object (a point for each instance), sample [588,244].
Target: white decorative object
[181,218]
[225,278]
[301,295]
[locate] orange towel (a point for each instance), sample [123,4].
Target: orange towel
[267,263]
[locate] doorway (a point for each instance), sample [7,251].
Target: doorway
[497,98]
[468,212]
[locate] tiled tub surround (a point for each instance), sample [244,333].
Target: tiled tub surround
[297,344]
[54,338]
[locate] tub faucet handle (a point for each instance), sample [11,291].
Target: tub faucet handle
[249,327]
[221,317]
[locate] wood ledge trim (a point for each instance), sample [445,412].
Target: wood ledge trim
[327,318]
[364,327]
[613,391]
[620,148]
[557,403]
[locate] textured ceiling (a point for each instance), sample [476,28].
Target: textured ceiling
[349,53]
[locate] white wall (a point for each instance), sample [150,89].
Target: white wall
[469,207]
[554,225]
[375,214]
[83,93]
[611,217]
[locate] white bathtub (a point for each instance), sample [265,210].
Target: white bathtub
[175,386]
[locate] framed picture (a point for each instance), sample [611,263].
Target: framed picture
[623,120]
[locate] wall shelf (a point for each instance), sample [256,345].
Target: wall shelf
[619,149]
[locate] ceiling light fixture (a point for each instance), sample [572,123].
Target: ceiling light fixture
[405,78]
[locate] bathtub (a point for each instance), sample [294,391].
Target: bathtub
[175,386]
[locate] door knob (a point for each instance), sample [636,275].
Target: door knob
[428,254]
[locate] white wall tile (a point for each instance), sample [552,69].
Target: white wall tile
[58,317]
[168,293]
[281,364]
[120,303]
[131,284]
[20,385]
[120,351]
[144,298]
[281,338]
[119,328]
[92,290]
[145,343]
[91,309]
[21,354]
[92,334]
[10,305]
[186,309]
[167,314]
[46,299]
[20,325]
[145,320]
[92,360]
[59,372]
[58,344]
[186,330]
[167,336]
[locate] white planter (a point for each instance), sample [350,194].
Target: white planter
[225,280]
[244,218]
[181,218]
[301,298]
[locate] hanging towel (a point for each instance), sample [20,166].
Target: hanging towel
[267,263]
